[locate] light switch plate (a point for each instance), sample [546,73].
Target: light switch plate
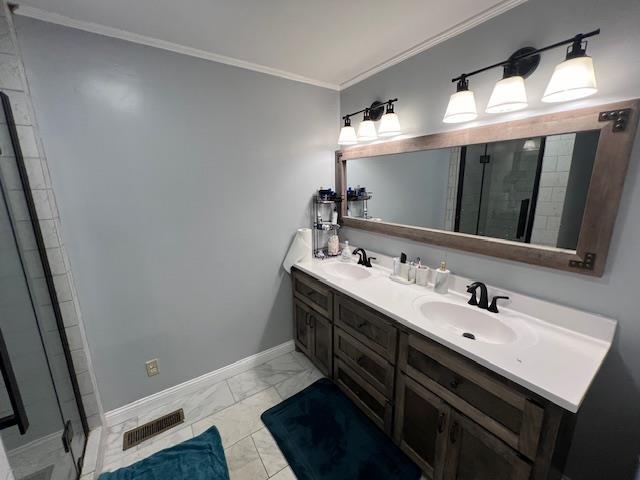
[152,367]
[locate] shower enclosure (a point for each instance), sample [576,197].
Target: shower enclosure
[498,189]
[42,421]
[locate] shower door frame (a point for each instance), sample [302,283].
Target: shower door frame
[44,259]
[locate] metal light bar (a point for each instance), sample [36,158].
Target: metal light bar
[382,104]
[573,40]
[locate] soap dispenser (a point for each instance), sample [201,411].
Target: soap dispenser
[441,281]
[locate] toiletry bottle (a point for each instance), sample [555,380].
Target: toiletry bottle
[441,281]
[404,267]
[396,266]
[422,274]
[333,245]
[334,216]
[412,272]
[346,252]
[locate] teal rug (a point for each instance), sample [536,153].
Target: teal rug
[200,458]
[324,436]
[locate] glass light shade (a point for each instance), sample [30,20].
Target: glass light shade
[571,79]
[347,136]
[508,95]
[461,108]
[530,145]
[389,125]
[367,131]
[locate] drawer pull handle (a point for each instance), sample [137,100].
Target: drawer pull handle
[441,422]
[362,324]
[453,433]
[454,383]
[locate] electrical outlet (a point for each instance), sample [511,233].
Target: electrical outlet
[152,367]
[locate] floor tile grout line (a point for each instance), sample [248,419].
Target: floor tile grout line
[259,456]
[279,471]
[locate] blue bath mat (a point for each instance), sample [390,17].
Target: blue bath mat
[200,458]
[324,436]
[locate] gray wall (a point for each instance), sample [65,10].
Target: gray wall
[607,437]
[180,182]
[409,188]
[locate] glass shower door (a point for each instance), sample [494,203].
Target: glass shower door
[498,189]
[41,421]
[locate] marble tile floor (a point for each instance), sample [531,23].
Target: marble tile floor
[234,406]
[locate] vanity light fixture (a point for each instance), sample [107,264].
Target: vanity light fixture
[462,104]
[389,123]
[347,133]
[367,129]
[572,79]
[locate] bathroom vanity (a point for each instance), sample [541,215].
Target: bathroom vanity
[500,407]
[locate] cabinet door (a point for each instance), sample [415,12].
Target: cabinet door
[322,338]
[421,424]
[302,326]
[474,454]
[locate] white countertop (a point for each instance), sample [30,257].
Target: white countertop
[558,349]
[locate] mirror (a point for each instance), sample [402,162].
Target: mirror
[528,190]
[543,190]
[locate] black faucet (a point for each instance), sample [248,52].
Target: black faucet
[364,260]
[484,297]
[494,306]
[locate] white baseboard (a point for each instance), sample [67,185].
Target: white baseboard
[119,415]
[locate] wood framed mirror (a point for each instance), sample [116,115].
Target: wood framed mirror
[544,190]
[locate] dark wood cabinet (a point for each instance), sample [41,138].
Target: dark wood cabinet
[367,363]
[375,405]
[421,425]
[501,408]
[313,293]
[314,336]
[322,335]
[454,418]
[472,453]
[368,326]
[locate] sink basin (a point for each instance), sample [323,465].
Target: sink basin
[469,322]
[348,271]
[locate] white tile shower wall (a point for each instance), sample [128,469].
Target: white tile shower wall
[556,164]
[13,83]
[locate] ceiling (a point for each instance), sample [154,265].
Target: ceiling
[332,43]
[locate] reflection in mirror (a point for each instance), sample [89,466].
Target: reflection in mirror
[531,190]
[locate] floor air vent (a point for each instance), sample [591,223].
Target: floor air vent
[151,429]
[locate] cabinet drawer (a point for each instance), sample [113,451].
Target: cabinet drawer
[366,363]
[313,293]
[367,398]
[503,410]
[368,326]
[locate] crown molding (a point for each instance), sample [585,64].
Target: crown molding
[433,41]
[58,19]
[39,14]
